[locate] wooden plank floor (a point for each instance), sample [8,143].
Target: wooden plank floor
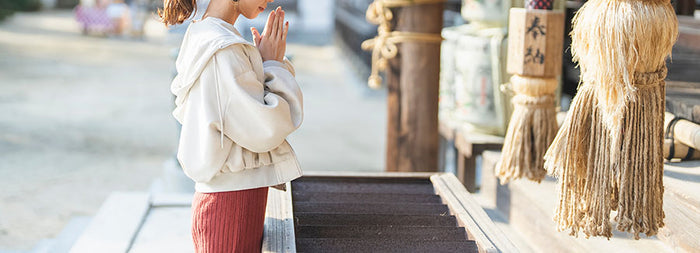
[682,206]
[528,208]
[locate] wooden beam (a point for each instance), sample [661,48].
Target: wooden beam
[412,82]
[469,214]
[279,222]
[469,145]
[393,99]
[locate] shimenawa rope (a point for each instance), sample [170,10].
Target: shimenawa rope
[608,154]
[384,45]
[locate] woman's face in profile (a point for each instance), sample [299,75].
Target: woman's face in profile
[252,8]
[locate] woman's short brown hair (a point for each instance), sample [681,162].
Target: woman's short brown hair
[176,11]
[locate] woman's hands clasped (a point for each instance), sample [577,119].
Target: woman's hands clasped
[273,42]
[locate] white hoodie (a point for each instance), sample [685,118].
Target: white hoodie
[235,111]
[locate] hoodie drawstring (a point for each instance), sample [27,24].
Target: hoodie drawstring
[218,100]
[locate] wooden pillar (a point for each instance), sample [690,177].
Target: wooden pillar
[412,83]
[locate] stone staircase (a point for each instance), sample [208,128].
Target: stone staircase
[65,239]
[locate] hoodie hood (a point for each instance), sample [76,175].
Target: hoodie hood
[202,40]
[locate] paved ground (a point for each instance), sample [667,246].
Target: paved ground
[85,116]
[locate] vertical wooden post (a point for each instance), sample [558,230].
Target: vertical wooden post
[412,82]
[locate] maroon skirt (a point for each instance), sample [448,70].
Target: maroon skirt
[228,221]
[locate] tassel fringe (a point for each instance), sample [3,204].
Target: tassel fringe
[531,129]
[608,154]
[593,182]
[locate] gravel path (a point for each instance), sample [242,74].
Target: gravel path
[81,117]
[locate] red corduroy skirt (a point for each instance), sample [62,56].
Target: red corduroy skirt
[226,222]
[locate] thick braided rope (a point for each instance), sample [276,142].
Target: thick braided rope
[384,45]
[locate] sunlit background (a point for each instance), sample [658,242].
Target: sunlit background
[85,103]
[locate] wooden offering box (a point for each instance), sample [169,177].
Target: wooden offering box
[535,42]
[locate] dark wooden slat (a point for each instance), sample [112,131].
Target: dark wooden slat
[379,245]
[339,197]
[383,232]
[421,179]
[321,219]
[374,208]
[363,187]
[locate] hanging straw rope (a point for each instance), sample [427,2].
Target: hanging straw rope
[531,129]
[384,45]
[533,123]
[608,153]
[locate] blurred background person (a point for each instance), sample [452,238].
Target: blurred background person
[118,13]
[92,16]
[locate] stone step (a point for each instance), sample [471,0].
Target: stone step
[43,246]
[115,225]
[338,197]
[370,208]
[325,219]
[65,239]
[382,232]
[69,235]
[381,245]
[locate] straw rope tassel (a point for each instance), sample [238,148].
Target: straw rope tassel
[534,59]
[531,129]
[608,153]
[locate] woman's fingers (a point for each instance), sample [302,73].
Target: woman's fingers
[286,29]
[272,43]
[274,24]
[268,24]
[280,24]
[256,36]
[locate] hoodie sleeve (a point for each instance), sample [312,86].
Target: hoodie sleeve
[230,104]
[256,115]
[286,64]
[202,152]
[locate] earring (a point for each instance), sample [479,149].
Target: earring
[235,4]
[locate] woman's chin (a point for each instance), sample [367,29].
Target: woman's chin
[251,15]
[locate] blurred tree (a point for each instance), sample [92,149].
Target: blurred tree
[27,5]
[66,4]
[6,9]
